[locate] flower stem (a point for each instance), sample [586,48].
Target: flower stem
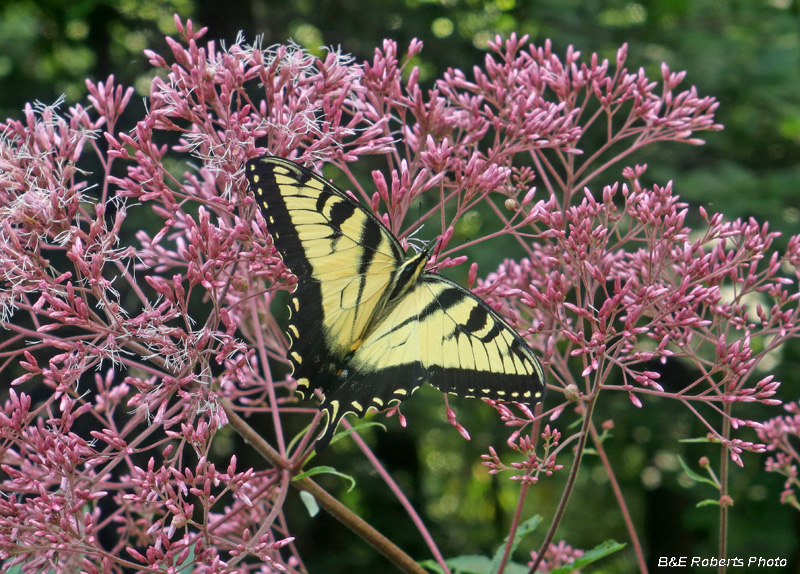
[723,490]
[573,475]
[523,492]
[403,499]
[335,508]
[626,515]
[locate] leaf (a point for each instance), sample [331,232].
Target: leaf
[692,474]
[473,564]
[336,437]
[432,565]
[296,438]
[522,530]
[467,564]
[470,564]
[707,502]
[326,470]
[188,565]
[311,503]
[515,568]
[600,551]
[17,568]
[362,426]
[698,439]
[576,423]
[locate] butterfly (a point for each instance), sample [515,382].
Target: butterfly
[369,324]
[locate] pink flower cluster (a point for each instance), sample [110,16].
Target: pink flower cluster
[124,355]
[621,310]
[557,555]
[781,435]
[533,465]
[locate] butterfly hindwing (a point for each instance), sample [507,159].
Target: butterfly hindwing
[461,345]
[368,325]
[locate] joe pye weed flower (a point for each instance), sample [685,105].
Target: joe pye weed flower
[123,359]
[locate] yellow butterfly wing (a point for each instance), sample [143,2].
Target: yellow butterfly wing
[368,325]
[341,255]
[442,334]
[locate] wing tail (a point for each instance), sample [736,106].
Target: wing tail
[358,392]
[333,414]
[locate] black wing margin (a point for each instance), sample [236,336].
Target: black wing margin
[343,258]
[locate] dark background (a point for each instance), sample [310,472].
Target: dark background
[744,53]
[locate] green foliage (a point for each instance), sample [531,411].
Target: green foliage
[476,564]
[310,503]
[327,470]
[49,48]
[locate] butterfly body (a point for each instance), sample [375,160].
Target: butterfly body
[368,324]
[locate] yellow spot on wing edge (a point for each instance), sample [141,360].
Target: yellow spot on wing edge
[332,410]
[333,407]
[303,382]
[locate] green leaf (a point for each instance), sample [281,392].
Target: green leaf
[470,564]
[522,530]
[575,424]
[515,568]
[698,439]
[188,565]
[17,568]
[296,438]
[481,565]
[461,565]
[692,474]
[707,502]
[311,503]
[326,470]
[432,565]
[336,437]
[362,426]
[473,564]
[600,551]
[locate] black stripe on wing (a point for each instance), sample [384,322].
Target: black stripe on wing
[513,372]
[290,195]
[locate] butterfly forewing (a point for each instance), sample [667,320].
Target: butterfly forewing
[320,233]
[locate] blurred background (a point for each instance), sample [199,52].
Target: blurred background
[746,53]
